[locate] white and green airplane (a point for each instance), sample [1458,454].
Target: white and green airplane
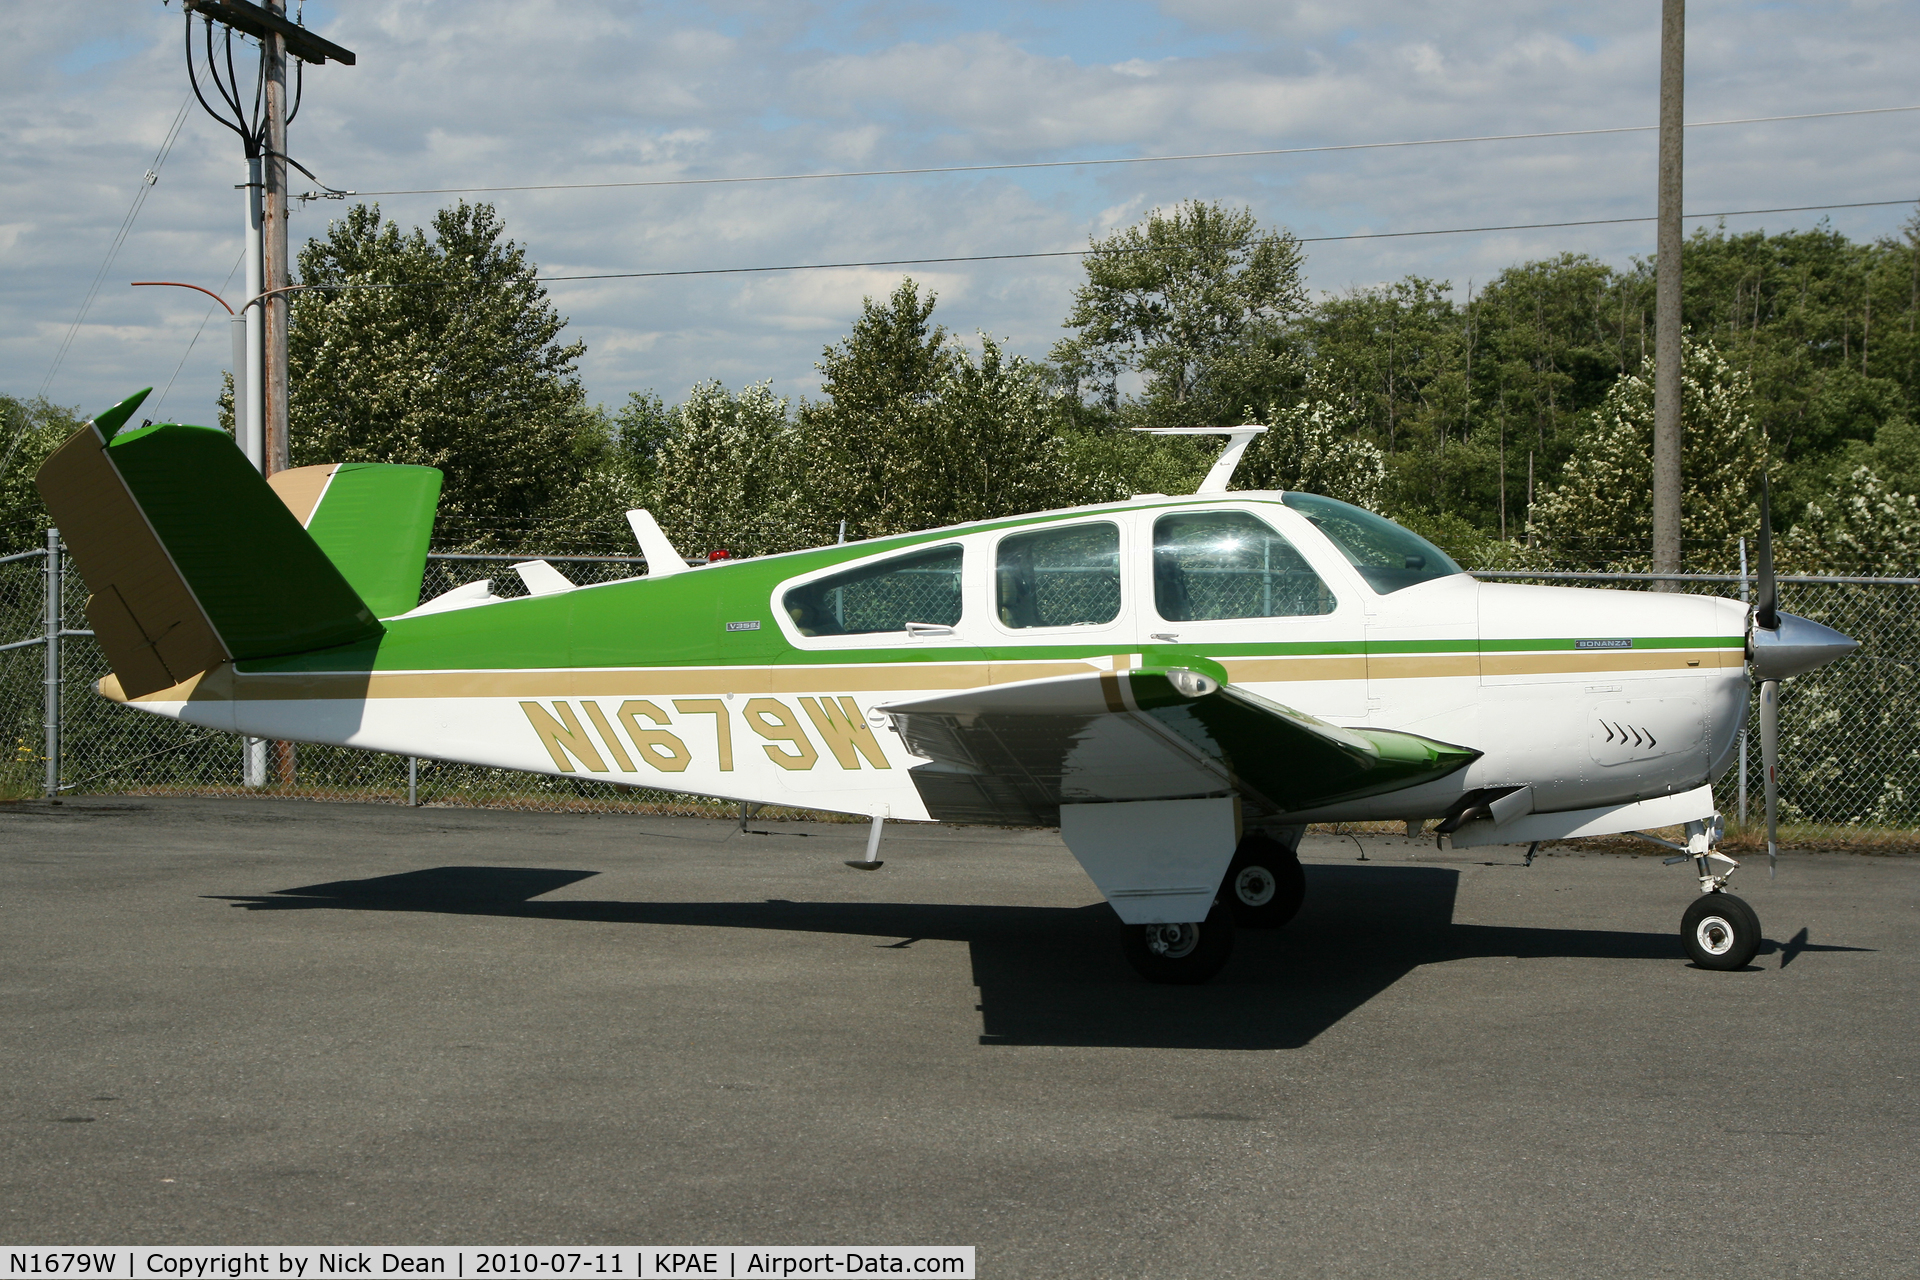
[1180,684]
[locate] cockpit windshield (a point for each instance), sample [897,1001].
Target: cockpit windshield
[1387,556]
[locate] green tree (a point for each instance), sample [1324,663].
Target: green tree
[895,356]
[1824,327]
[29,431]
[1893,456]
[1599,516]
[1859,526]
[724,469]
[1195,301]
[1313,446]
[640,432]
[444,351]
[1549,339]
[915,431]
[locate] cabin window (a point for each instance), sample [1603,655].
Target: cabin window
[1059,577]
[1388,556]
[1228,564]
[923,587]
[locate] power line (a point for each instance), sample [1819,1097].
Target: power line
[147,181]
[1075,164]
[1081,253]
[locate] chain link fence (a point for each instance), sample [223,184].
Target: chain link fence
[99,747]
[1850,733]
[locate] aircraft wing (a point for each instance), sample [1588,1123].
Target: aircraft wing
[1012,754]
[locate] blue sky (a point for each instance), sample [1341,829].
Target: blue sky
[498,92]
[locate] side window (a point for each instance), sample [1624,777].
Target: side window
[1228,564]
[921,587]
[1061,577]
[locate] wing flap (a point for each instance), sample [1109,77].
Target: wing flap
[1015,753]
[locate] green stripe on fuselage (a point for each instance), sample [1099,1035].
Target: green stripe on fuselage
[680,620]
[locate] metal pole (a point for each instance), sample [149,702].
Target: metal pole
[1743,719]
[274,244]
[249,413]
[413,782]
[249,395]
[237,326]
[54,609]
[1666,307]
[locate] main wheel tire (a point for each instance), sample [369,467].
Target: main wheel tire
[1720,931]
[1265,883]
[1183,954]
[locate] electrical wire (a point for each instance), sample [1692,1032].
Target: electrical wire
[147,181]
[1074,164]
[1090,252]
[196,334]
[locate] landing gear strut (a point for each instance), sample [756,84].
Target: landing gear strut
[1719,930]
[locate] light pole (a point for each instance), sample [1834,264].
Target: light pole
[260,116]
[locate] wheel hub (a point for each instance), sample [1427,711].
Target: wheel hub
[1173,941]
[1254,886]
[1715,935]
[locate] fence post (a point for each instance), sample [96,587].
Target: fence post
[52,655]
[413,782]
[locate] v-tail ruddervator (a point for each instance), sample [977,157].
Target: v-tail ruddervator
[1179,684]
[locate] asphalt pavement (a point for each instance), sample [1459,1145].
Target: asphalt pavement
[261,1022]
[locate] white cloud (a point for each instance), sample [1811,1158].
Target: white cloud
[506,92]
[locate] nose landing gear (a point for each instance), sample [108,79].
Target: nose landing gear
[1719,930]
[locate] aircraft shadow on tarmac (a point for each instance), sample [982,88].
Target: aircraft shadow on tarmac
[1054,975]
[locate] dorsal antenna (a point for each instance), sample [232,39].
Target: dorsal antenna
[1237,440]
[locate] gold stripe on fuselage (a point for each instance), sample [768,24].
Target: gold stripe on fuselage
[223,684]
[1564,663]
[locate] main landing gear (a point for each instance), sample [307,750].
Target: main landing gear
[1719,930]
[1181,954]
[1263,889]
[1264,883]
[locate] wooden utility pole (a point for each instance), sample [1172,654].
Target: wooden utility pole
[261,122]
[273,52]
[277,304]
[1666,302]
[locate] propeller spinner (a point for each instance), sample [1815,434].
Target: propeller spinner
[1781,645]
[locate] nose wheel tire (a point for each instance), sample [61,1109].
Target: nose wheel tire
[1264,884]
[1720,931]
[1181,954]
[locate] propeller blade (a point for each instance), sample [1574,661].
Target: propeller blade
[1770,763]
[1766,608]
